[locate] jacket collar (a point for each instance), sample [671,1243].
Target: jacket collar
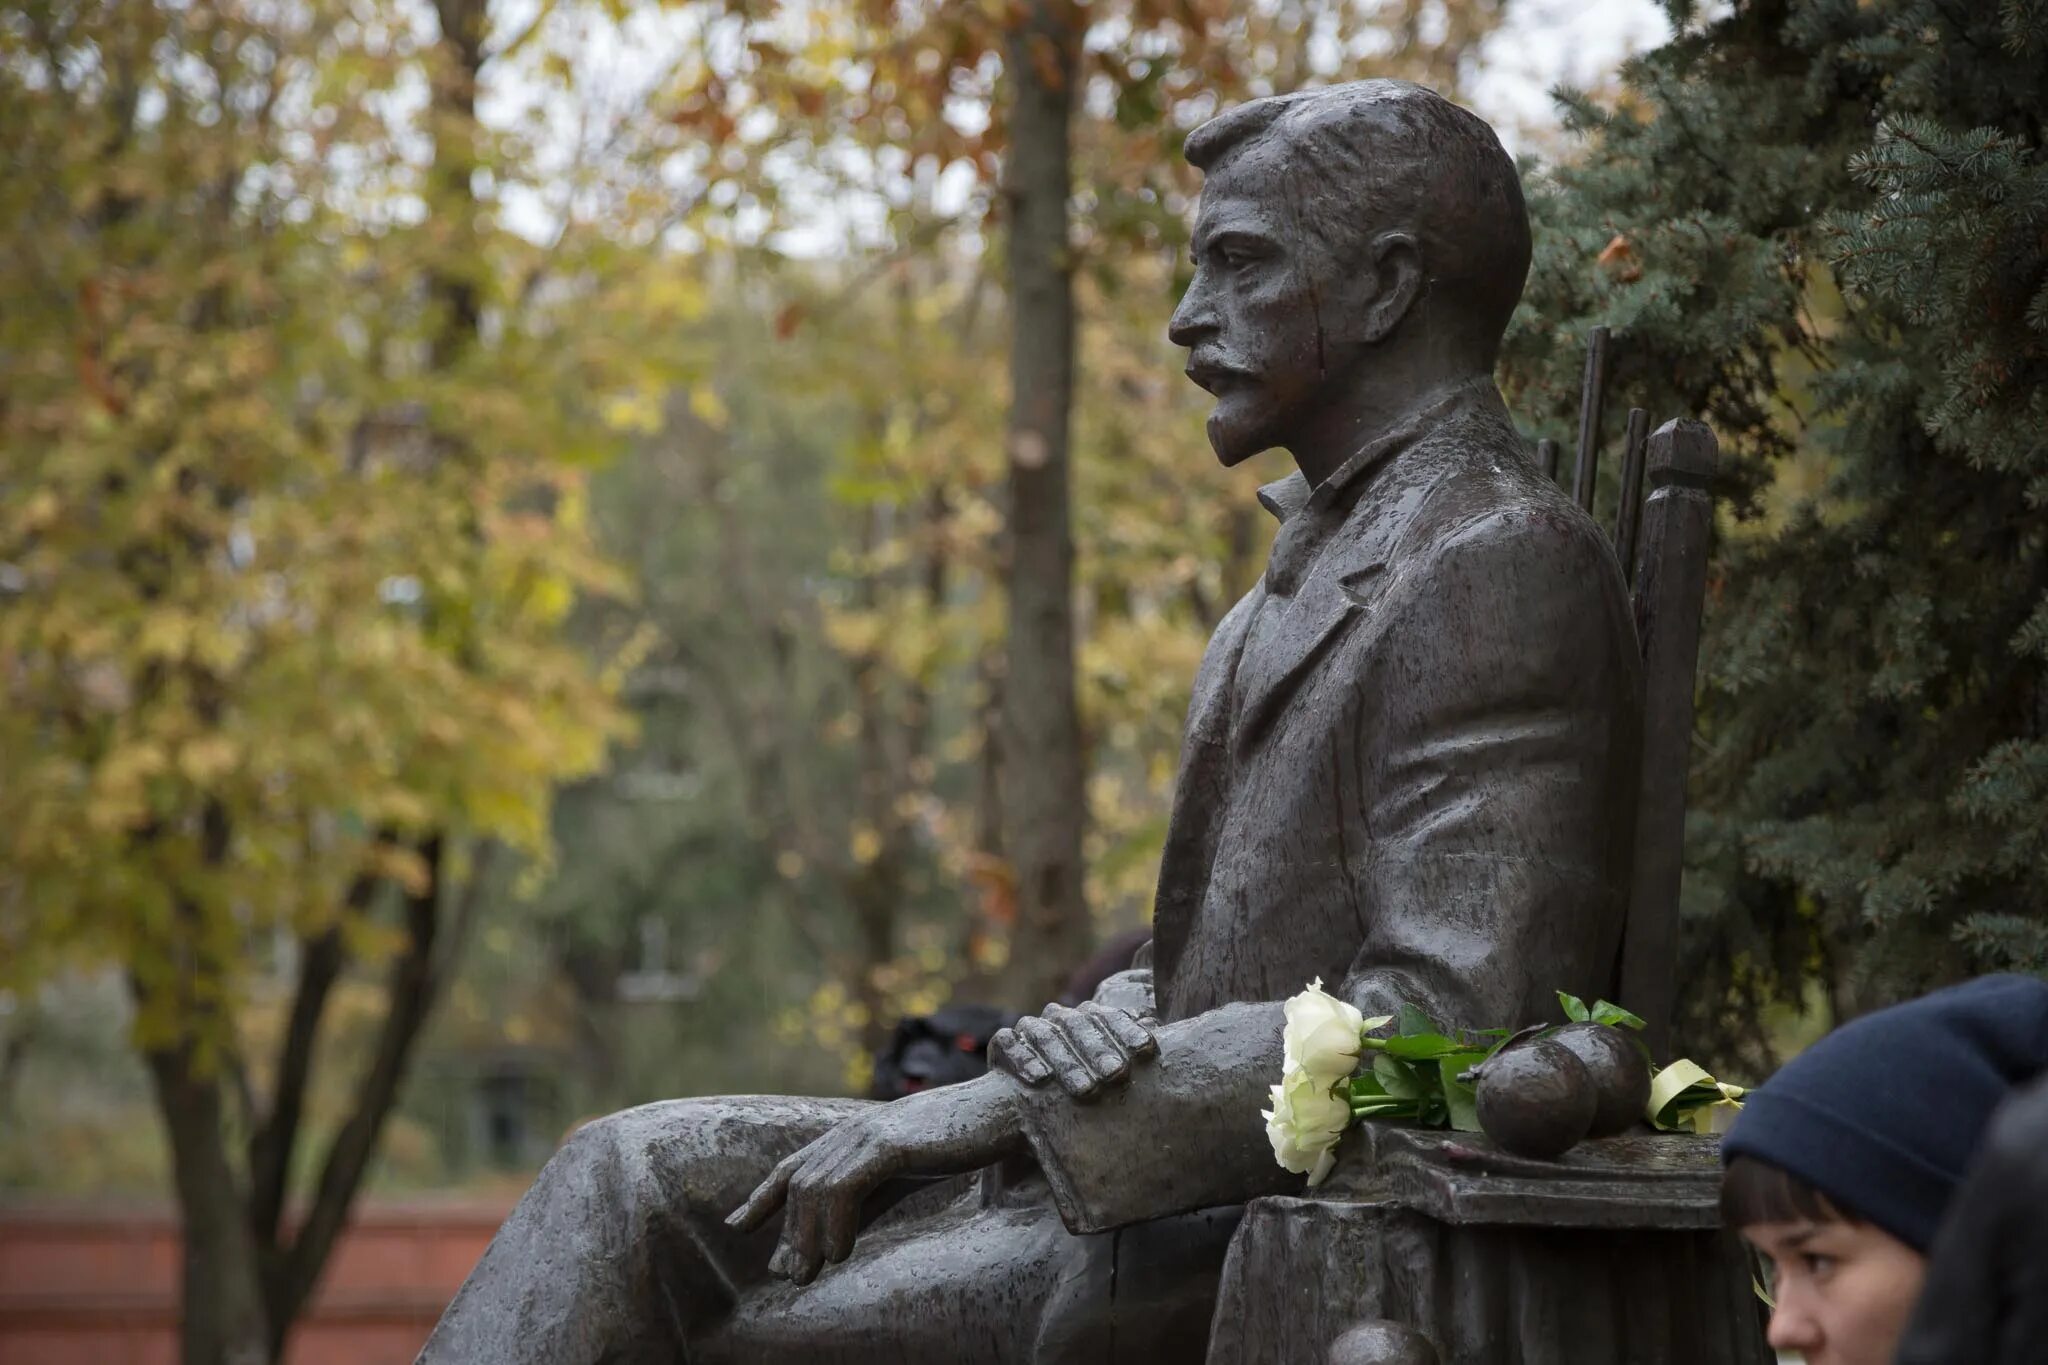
[1286,497]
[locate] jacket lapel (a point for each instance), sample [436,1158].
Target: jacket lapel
[1343,573]
[1288,636]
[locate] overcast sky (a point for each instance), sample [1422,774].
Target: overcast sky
[1542,44]
[1545,43]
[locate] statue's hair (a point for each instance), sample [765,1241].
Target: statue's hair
[1372,155]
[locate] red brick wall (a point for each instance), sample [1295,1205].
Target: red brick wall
[98,1286]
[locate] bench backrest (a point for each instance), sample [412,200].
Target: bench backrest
[1661,541]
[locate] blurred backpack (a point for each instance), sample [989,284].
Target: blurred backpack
[944,1047]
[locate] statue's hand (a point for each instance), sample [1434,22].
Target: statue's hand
[821,1187]
[1129,990]
[1088,1049]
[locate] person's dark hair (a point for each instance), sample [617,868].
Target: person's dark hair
[1417,162]
[1754,1191]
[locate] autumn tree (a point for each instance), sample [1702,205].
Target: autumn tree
[290,428]
[818,523]
[1119,534]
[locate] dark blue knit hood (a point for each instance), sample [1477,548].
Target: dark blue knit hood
[1884,1115]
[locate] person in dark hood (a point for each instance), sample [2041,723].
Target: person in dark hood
[945,1047]
[1842,1167]
[1985,1298]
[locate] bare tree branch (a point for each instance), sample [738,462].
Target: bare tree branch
[462,914]
[271,1142]
[414,985]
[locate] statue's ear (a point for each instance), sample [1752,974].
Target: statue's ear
[1389,282]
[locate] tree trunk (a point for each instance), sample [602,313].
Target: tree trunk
[295,1257]
[1044,803]
[415,985]
[873,880]
[223,1321]
[451,118]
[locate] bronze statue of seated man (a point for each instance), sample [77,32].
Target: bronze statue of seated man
[1407,768]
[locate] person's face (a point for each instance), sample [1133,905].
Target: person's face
[1843,1290]
[1252,319]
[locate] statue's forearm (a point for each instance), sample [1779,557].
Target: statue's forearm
[1184,1134]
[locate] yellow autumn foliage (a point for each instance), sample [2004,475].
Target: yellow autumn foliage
[289,561]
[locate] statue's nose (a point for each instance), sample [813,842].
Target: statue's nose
[1194,321]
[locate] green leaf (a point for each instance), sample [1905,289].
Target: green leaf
[1671,1082]
[1422,1047]
[1366,1087]
[1607,1012]
[1758,1270]
[1574,1008]
[1414,1022]
[1460,1099]
[1710,1118]
[1508,1040]
[1399,1078]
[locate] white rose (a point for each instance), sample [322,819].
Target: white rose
[1322,1035]
[1304,1124]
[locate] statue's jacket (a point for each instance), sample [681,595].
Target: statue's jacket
[1409,769]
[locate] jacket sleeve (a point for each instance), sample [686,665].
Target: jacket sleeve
[1491,775]
[1184,1134]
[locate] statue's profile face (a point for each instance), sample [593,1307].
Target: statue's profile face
[1258,317]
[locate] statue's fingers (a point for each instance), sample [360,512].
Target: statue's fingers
[766,1198]
[843,1198]
[1010,1054]
[1137,1039]
[1072,1070]
[1098,1045]
[800,1229]
[842,1221]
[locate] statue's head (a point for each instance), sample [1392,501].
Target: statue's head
[1370,231]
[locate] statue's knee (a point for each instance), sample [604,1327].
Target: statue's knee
[1380,1342]
[694,1153]
[613,1153]
[590,1158]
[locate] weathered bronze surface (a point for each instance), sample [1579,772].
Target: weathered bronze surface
[1609,1256]
[1408,767]
[1619,1071]
[1677,524]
